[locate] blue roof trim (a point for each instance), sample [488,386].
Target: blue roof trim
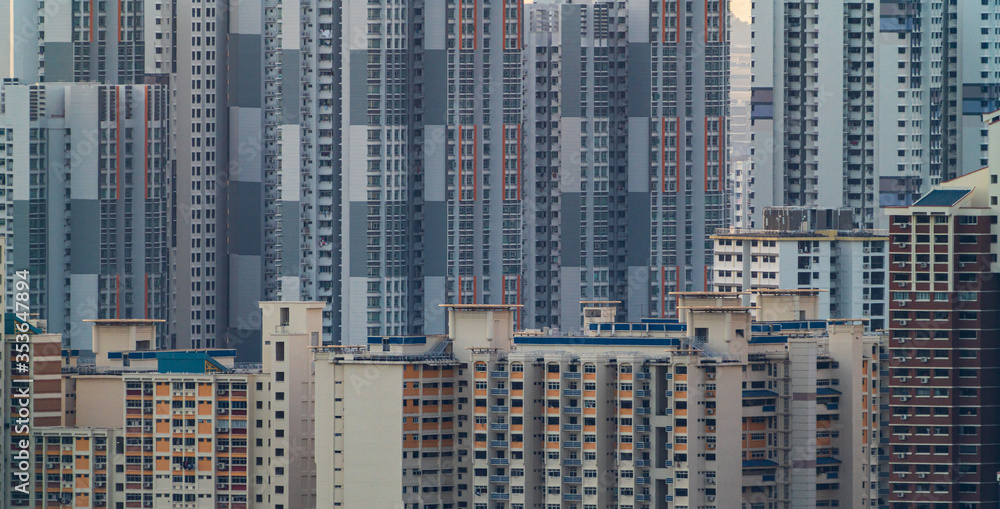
[10,319]
[114,355]
[581,341]
[398,340]
[658,320]
[758,463]
[763,340]
[826,391]
[827,460]
[759,393]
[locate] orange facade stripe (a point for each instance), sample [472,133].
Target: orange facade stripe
[663,155]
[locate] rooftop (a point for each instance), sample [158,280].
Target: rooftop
[942,197]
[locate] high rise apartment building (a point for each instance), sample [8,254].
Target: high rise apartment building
[431,162]
[626,145]
[30,398]
[725,406]
[879,99]
[88,167]
[788,255]
[943,291]
[182,45]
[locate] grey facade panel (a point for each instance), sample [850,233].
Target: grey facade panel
[290,70]
[359,86]
[435,231]
[245,70]
[85,237]
[570,229]
[290,248]
[358,239]
[58,62]
[571,60]
[245,215]
[639,79]
[20,256]
[435,87]
[637,215]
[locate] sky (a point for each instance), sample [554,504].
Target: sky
[741,9]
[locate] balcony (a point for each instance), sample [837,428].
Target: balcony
[499,443]
[499,392]
[572,480]
[500,478]
[571,445]
[498,374]
[571,375]
[499,496]
[572,392]
[572,497]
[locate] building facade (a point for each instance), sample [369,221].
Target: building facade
[851,265]
[90,218]
[725,406]
[626,154]
[944,302]
[181,45]
[185,427]
[858,96]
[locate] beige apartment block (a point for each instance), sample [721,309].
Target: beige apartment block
[189,428]
[720,408]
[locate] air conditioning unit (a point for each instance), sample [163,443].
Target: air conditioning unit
[901,454]
[222,411]
[903,417]
[904,321]
[904,378]
[710,480]
[147,485]
[100,484]
[222,466]
[51,465]
[867,266]
[902,303]
[901,264]
[922,475]
[867,281]
[711,498]
[924,359]
[222,486]
[923,379]
[923,264]
[147,447]
[222,448]
[147,429]
[904,398]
